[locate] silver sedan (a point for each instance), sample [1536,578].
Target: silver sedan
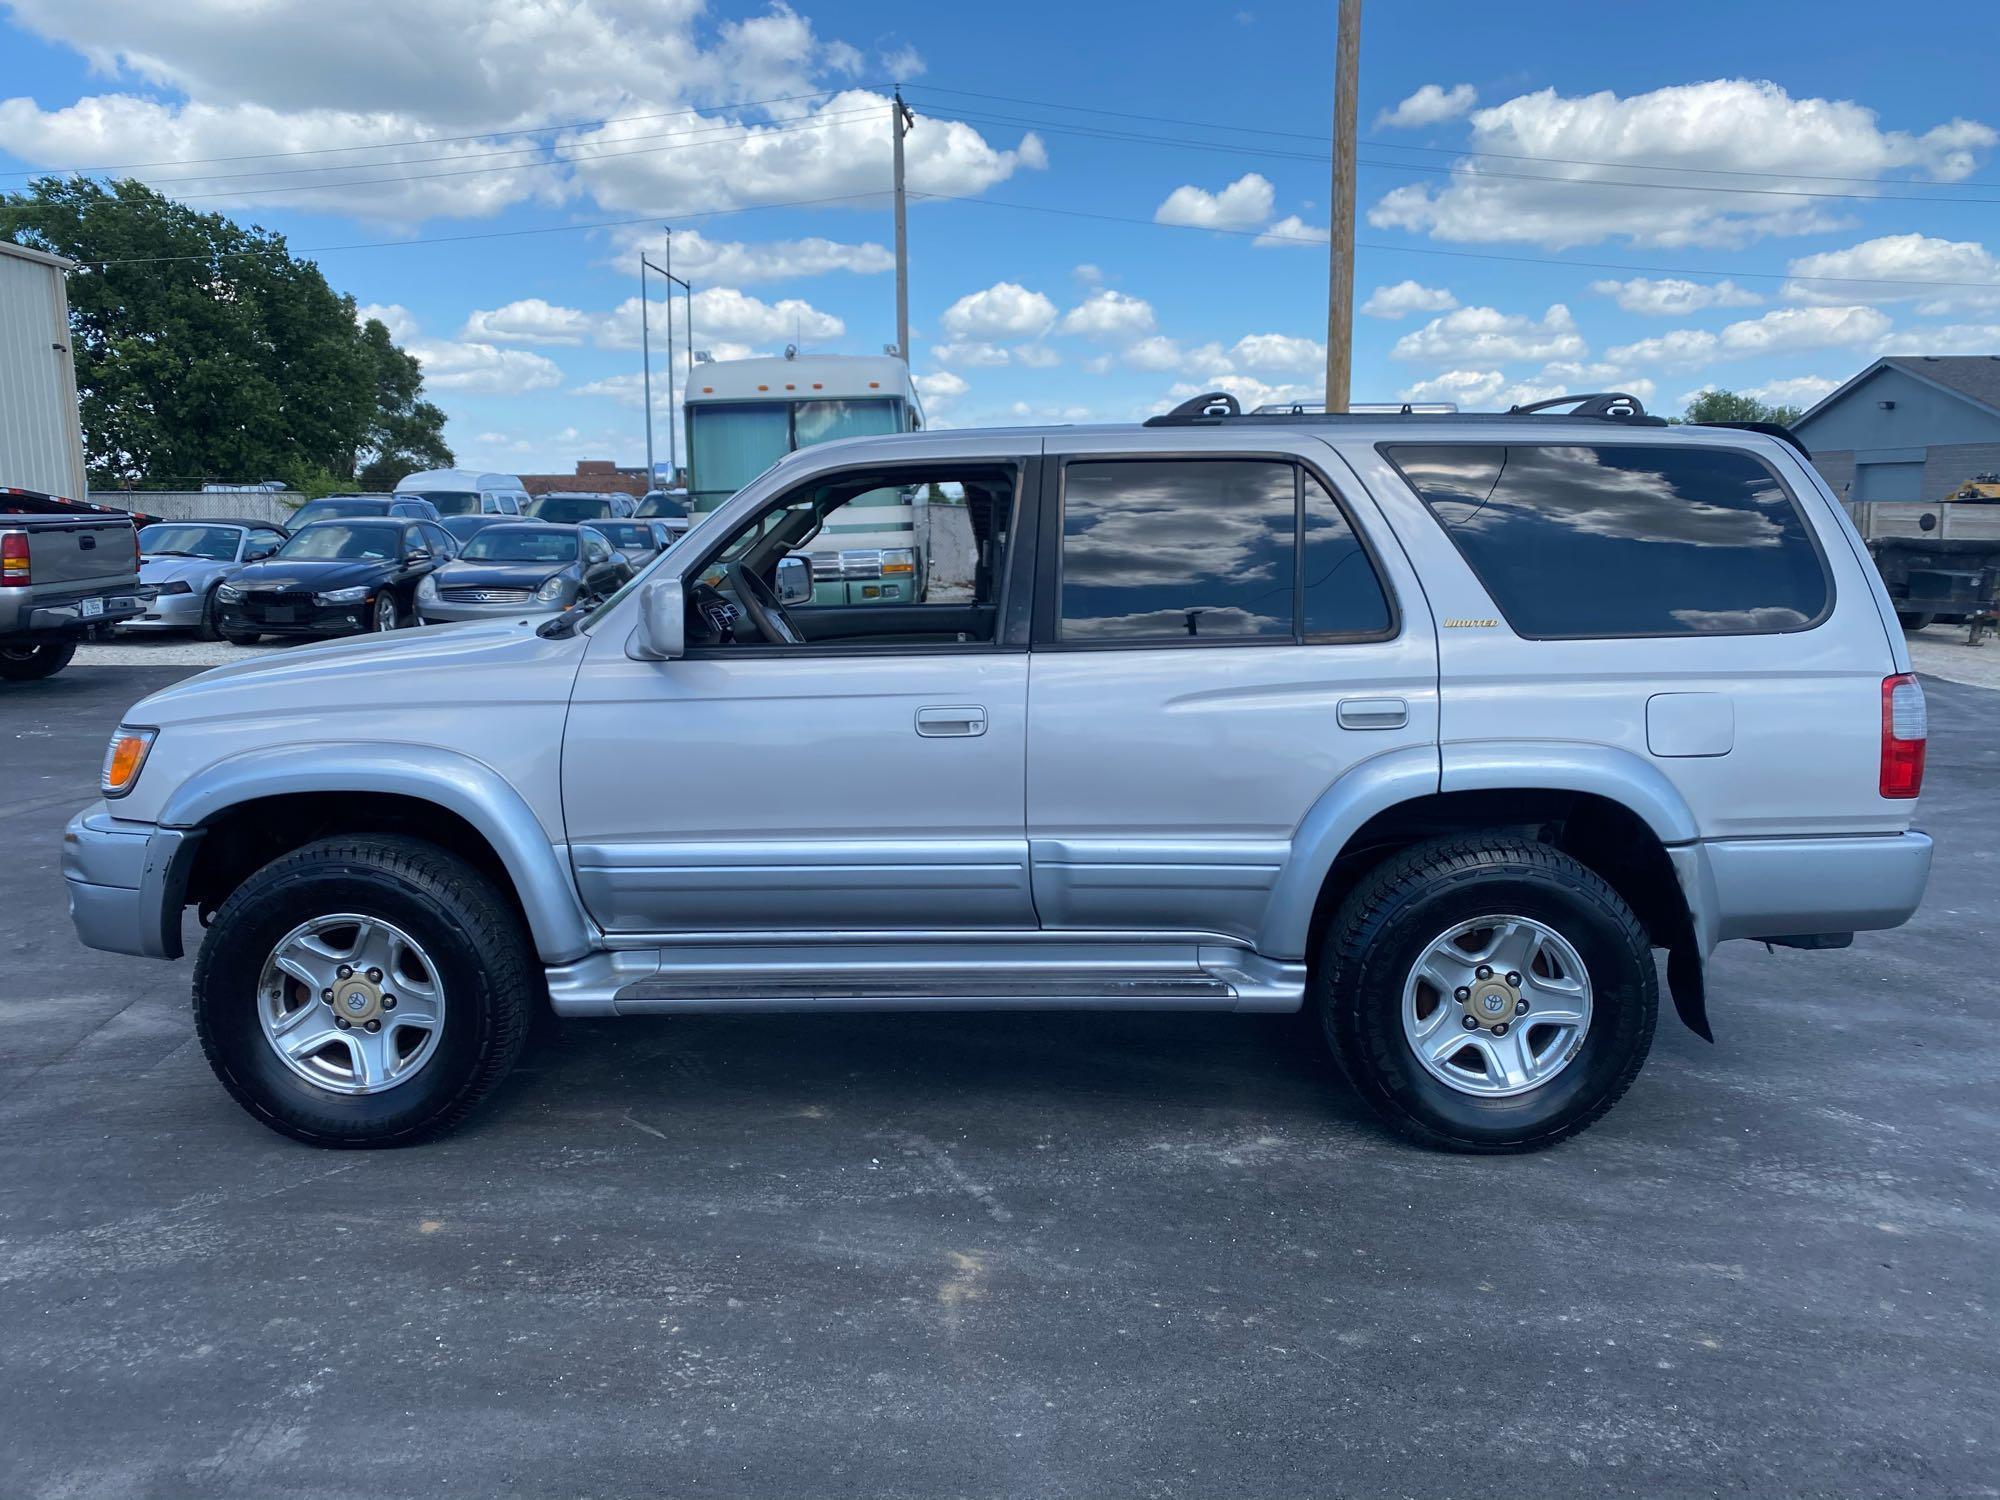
[182,563]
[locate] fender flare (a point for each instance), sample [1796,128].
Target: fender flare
[1374,786]
[1602,770]
[457,783]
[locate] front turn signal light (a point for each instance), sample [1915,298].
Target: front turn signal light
[123,759]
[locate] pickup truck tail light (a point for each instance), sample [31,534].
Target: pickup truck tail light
[1905,731]
[14,560]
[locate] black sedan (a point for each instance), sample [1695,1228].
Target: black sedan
[335,578]
[525,568]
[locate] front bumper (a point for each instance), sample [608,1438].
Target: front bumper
[1794,887]
[167,612]
[298,619]
[445,612]
[126,882]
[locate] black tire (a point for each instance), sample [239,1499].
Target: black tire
[32,663]
[1399,908]
[473,935]
[241,637]
[208,628]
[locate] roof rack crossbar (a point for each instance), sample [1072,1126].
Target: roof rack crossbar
[1219,406]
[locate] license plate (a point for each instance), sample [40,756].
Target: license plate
[282,614]
[92,608]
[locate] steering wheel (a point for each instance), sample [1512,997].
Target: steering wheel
[763,607]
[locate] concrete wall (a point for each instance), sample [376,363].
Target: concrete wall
[194,505]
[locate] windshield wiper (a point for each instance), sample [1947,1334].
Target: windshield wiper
[560,627]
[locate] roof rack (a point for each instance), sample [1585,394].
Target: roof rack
[1219,406]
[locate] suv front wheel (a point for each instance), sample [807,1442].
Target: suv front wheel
[364,991]
[1487,994]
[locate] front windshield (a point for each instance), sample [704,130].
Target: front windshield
[521,544]
[624,536]
[569,509]
[448,502]
[330,540]
[216,543]
[333,510]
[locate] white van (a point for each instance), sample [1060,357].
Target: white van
[462,492]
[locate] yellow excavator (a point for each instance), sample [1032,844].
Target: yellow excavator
[1978,487]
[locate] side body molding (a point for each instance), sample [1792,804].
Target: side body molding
[1604,770]
[455,782]
[1373,786]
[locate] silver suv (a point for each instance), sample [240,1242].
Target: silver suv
[1438,726]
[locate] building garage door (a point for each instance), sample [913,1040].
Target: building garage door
[1888,482]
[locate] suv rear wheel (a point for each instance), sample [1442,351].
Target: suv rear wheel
[1487,994]
[364,991]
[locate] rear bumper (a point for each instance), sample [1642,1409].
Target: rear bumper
[1773,888]
[64,617]
[126,881]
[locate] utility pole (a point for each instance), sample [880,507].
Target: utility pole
[1340,238]
[901,122]
[646,365]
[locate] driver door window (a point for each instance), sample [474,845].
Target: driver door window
[897,559]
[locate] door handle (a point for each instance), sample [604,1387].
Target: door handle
[957,722]
[1372,713]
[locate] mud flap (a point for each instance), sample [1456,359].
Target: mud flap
[1687,980]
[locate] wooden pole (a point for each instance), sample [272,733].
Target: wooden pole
[1340,240]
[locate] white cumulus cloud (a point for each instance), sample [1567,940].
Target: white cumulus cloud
[1485,334]
[1243,204]
[1432,104]
[1292,231]
[528,321]
[1110,316]
[1896,259]
[1005,310]
[1673,296]
[1407,297]
[1589,181]
[1780,332]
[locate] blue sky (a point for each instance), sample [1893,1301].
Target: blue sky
[1562,197]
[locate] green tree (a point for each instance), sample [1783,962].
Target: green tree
[1733,406]
[405,432]
[204,349]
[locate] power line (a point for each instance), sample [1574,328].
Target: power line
[1478,173]
[435,140]
[1523,260]
[819,122]
[1304,135]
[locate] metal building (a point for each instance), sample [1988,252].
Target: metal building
[1909,427]
[41,437]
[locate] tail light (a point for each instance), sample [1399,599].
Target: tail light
[14,560]
[1905,730]
[138,555]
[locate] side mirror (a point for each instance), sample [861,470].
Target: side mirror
[417,555]
[258,554]
[662,631]
[795,579]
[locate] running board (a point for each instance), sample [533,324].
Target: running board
[925,975]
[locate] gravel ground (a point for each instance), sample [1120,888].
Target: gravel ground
[881,1256]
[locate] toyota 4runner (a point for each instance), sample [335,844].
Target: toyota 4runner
[1436,725]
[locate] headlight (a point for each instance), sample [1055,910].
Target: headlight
[342,596]
[551,591]
[123,758]
[428,589]
[229,593]
[178,586]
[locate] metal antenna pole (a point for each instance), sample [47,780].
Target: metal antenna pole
[673,437]
[646,366]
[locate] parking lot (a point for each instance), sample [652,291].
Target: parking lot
[1064,1255]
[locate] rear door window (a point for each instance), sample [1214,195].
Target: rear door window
[1614,539]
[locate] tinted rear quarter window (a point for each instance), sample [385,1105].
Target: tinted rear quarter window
[1596,540]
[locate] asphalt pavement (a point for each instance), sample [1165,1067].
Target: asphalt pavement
[895,1255]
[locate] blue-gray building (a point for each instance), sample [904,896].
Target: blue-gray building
[1909,427]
